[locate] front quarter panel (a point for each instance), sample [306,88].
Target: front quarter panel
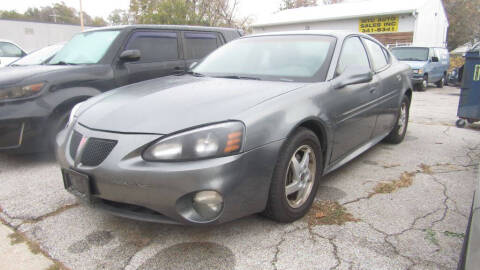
[276,119]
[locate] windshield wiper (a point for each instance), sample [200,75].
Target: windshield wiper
[62,63]
[238,77]
[196,74]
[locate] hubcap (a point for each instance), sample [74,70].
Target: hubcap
[424,83]
[402,119]
[300,176]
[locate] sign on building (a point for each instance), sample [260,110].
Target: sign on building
[378,24]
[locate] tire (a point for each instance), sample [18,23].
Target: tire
[398,132]
[288,208]
[441,83]
[461,123]
[56,124]
[423,85]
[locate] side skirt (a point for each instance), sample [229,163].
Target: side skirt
[354,154]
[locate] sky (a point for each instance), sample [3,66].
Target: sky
[102,8]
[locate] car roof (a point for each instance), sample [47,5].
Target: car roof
[335,33]
[419,47]
[161,26]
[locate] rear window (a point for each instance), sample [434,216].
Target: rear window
[9,50]
[200,44]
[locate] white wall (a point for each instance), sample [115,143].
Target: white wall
[432,25]
[406,24]
[33,35]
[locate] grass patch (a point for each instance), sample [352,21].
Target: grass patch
[454,234]
[431,236]
[426,168]
[405,180]
[18,238]
[329,213]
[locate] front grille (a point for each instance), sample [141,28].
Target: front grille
[74,142]
[96,151]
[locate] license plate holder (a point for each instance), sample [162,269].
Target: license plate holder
[77,183]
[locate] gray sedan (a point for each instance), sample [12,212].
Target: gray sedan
[252,128]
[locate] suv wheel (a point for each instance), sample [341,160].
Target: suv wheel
[400,129]
[57,123]
[296,177]
[441,83]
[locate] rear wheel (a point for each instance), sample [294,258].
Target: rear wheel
[296,177]
[441,82]
[400,129]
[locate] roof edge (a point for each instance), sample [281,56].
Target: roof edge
[399,12]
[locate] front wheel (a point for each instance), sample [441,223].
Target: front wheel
[441,83]
[57,123]
[296,177]
[400,128]
[423,85]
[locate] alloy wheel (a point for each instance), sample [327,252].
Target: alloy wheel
[300,176]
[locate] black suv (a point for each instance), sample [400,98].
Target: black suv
[35,101]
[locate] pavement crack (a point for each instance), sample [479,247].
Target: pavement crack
[51,214]
[277,251]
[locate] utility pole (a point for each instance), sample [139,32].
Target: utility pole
[81,15]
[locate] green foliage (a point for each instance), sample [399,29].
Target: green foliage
[56,13]
[454,234]
[289,4]
[431,236]
[191,12]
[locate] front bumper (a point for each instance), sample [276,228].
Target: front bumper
[126,185]
[416,78]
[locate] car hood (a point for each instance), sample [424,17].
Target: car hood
[170,104]
[14,75]
[415,64]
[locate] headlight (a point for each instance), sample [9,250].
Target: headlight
[73,114]
[418,71]
[215,140]
[21,91]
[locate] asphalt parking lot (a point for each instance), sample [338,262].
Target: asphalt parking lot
[400,206]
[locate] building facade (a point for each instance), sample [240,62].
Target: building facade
[393,22]
[35,35]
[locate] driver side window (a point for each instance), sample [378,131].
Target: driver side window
[353,53]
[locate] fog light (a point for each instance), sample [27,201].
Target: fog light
[208,204]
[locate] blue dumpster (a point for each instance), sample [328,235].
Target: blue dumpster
[469,103]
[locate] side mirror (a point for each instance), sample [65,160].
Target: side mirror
[353,74]
[130,55]
[192,65]
[434,59]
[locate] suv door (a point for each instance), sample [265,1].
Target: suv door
[159,56]
[353,103]
[197,45]
[391,87]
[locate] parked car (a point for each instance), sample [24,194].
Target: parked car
[429,65]
[9,52]
[35,101]
[455,76]
[38,57]
[253,128]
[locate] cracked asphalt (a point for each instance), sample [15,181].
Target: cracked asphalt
[419,225]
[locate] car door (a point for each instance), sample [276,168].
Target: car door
[159,56]
[197,45]
[9,53]
[391,86]
[354,118]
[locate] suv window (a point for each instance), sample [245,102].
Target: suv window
[154,46]
[353,53]
[9,50]
[376,52]
[200,44]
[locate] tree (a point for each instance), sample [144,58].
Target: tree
[56,13]
[289,4]
[192,12]
[119,17]
[464,20]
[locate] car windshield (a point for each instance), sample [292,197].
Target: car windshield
[286,58]
[411,54]
[85,48]
[38,57]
